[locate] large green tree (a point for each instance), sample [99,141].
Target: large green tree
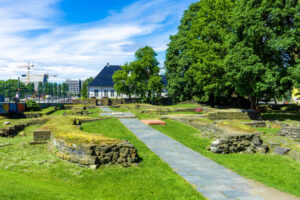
[40,88]
[55,92]
[208,48]
[11,88]
[261,47]
[30,89]
[124,83]
[179,59]
[64,89]
[140,77]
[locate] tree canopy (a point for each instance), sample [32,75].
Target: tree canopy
[141,76]
[208,48]
[244,47]
[261,47]
[84,89]
[178,58]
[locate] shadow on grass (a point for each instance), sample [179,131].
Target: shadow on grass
[281,116]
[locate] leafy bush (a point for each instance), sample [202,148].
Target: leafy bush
[59,106]
[32,106]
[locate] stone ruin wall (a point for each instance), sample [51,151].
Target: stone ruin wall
[291,132]
[229,142]
[91,155]
[249,143]
[13,130]
[231,115]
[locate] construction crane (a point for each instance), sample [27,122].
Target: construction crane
[47,75]
[28,66]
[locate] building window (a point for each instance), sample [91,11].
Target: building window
[112,93]
[105,93]
[96,93]
[118,94]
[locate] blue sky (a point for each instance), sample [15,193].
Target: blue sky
[76,38]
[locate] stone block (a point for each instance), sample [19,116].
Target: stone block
[41,135]
[281,150]
[273,144]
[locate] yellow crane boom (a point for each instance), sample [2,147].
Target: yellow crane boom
[28,66]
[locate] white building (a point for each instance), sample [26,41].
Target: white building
[103,85]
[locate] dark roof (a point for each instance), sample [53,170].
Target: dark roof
[104,78]
[164,80]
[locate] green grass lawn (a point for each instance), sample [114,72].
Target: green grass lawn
[280,172]
[94,112]
[31,172]
[44,110]
[268,130]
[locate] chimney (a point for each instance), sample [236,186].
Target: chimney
[107,64]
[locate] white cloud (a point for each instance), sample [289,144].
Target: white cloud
[29,32]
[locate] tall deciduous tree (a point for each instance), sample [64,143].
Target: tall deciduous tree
[46,88]
[40,88]
[59,90]
[263,40]
[84,89]
[140,77]
[55,89]
[123,81]
[208,48]
[30,89]
[178,58]
[65,89]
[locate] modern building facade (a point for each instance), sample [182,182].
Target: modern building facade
[35,79]
[74,86]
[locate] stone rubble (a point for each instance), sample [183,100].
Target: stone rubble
[249,143]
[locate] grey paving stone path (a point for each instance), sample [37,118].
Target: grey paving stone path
[108,112]
[214,181]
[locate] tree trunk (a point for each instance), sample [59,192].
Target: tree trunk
[212,100]
[253,103]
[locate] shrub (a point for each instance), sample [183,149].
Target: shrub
[60,106]
[32,106]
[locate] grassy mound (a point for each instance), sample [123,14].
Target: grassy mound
[62,127]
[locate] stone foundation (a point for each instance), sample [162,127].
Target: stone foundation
[163,111]
[291,132]
[231,115]
[33,115]
[12,130]
[249,143]
[93,156]
[207,129]
[258,124]
[15,129]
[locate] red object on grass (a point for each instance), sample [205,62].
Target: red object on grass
[199,110]
[153,122]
